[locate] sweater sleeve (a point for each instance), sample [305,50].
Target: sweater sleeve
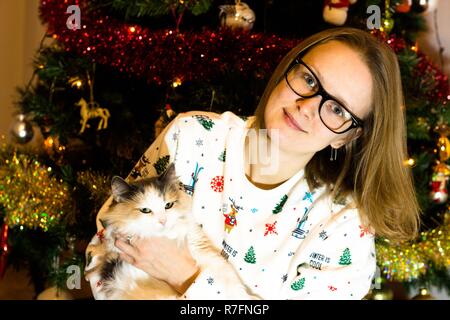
[155,159]
[338,263]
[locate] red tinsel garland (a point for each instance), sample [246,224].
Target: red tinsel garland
[441,92]
[163,55]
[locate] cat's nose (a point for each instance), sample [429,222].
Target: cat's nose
[162,220]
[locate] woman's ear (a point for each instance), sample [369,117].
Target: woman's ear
[358,132]
[347,139]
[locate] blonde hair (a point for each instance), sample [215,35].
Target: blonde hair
[370,168]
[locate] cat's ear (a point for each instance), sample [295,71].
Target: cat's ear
[119,188]
[169,175]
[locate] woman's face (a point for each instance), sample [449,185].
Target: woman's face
[344,76]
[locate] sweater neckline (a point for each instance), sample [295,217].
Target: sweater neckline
[239,155]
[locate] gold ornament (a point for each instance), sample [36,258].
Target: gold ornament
[387,25]
[443,142]
[237,17]
[388,22]
[424,294]
[92,109]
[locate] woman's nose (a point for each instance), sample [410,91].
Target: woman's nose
[308,107]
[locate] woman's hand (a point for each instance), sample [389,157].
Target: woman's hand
[161,258]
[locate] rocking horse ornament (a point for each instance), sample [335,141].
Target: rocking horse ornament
[92,109]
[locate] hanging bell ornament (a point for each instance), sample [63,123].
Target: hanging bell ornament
[237,17]
[21,129]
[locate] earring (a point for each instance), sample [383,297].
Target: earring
[333,154]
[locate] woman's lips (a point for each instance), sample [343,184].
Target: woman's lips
[291,121]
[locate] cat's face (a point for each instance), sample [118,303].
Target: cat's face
[150,205]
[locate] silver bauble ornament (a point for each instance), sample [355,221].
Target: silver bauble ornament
[21,129]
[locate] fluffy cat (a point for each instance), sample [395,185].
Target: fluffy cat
[154,206]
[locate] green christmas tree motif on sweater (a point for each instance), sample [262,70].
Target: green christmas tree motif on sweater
[298,285]
[161,164]
[280,205]
[223,155]
[205,121]
[250,256]
[346,258]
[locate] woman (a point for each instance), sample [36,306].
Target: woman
[299,222]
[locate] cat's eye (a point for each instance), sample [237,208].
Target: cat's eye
[169,205]
[145,210]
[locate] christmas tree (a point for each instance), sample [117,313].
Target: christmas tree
[298,285]
[346,258]
[250,256]
[106,73]
[280,205]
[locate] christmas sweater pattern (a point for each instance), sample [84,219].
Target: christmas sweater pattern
[289,242]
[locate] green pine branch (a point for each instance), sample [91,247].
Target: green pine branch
[154,8]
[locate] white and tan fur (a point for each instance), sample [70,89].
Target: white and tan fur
[125,217]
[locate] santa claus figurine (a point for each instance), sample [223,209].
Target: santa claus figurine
[335,11]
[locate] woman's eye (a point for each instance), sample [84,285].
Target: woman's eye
[310,81]
[337,110]
[169,205]
[145,210]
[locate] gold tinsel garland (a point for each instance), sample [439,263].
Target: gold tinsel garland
[31,196]
[410,260]
[34,199]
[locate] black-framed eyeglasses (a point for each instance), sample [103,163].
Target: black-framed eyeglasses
[333,113]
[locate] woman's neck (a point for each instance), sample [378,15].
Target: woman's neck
[278,168]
